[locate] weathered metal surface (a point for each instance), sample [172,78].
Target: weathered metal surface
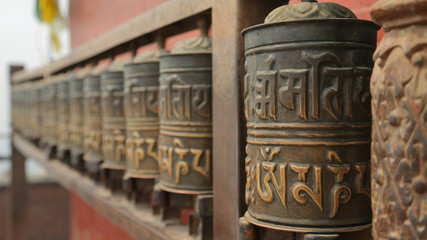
[43,114]
[63,118]
[92,120]
[113,117]
[113,124]
[399,135]
[185,142]
[77,117]
[307,107]
[32,117]
[142,120]
[50,101]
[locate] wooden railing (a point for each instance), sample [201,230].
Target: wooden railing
[228,19]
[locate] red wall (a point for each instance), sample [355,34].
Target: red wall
[90,19]
[88,224]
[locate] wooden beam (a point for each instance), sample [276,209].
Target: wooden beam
[229,18]
[172,18]
[136,221]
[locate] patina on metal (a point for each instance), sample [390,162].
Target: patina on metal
[185,141]
[63,117]
[113,124]
[77,117]
[43,114]
[142,123]
[50,101]
[142,120]
[399,111]
[307,106]
[36,112]
[30,111]
[92,122]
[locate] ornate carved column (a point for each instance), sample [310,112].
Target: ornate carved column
[399,110]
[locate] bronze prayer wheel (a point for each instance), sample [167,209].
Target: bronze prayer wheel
[399,111]
[23,92]
[142,120]
[34,113]
[113,123]
[307,106]
[43,113]
[37,112]
[92,121]
[76,117]
[63,116]
[185,142]
[18,93]
[51,120]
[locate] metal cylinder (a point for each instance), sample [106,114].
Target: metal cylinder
[113,118]
[399,111]
[43,114]
[142,120]
[92,121]
[185,142]
[77,117]
[36,113]
[63,117]
[51,119]
[307,106]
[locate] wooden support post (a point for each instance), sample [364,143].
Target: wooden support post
[229,18]
[18,196]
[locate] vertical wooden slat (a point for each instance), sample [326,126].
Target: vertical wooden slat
[18,196]
[18,186]
[229,18]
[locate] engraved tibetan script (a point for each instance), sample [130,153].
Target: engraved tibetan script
[141,100]
[304,183]
[325,90]
[184,101]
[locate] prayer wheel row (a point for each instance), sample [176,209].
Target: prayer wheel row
[307,106]
[144,118]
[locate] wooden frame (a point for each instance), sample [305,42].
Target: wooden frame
[229,18]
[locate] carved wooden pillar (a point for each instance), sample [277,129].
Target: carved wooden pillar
[399,134]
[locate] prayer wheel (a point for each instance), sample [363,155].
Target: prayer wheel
[77,117]
[307,106]
[185,141]
[50,103]
[142,120]
[92,122]
[63,117]
[113,124]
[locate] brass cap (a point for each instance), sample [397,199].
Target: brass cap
[202,44]
[309,9]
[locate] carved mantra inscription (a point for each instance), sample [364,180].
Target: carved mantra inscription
[76,129]
[139,149]
[269,179]
[114,136]
[92,125]
[114,146]
[185,141]
[142,126]
[141,101]
[301,91]
[181,101]
[306,127]
[200,159]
